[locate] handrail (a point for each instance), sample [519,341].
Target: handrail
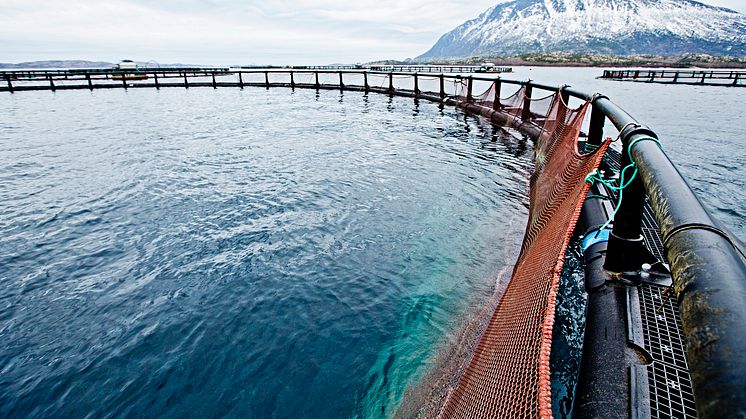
[707,268]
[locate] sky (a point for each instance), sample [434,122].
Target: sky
[228,32]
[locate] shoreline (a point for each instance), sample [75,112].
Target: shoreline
[567,59]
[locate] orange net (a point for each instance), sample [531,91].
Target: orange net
[508,375]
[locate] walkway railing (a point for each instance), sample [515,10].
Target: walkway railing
[736,78]
[706,265]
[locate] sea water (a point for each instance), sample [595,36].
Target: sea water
[255,253]
[274,253]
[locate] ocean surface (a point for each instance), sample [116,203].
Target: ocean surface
[275,253]
[249,253]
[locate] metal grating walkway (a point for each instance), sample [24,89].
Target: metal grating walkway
[670,385]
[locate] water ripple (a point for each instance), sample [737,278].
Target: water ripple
[256,253]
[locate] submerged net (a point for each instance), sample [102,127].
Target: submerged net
[508,375]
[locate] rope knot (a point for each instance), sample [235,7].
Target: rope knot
[591,177]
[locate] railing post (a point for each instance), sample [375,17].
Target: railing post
[51,83]
[442,86]
[124,81]
[676,77]
[292,80]
[266,79]
[240,79]
[10,85]
[90,82]
[598,120]
[316,78]
[526,112]
[366,86]
[735,81]
[496,105]
[155,79]
[625,249]
[391,82]
[341,82]
[416,85]
[186,81]
[469,87]
[214,84]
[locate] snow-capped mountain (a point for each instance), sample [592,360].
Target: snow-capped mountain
[660,27]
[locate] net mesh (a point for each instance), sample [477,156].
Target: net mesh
[461,88]
[513,105]
[486,99]
[508,375]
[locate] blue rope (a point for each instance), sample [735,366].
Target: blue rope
[595,176]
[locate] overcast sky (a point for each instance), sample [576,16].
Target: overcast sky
[224,32]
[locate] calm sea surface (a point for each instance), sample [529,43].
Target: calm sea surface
[273,253]
[253,253]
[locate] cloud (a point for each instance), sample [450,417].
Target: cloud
[231,31]
[226,31]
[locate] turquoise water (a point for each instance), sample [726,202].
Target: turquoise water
[255,253]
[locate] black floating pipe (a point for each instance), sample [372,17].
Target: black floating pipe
[612,381]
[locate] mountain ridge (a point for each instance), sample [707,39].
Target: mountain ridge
[617,27]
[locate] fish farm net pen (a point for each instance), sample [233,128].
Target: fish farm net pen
[656,238]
